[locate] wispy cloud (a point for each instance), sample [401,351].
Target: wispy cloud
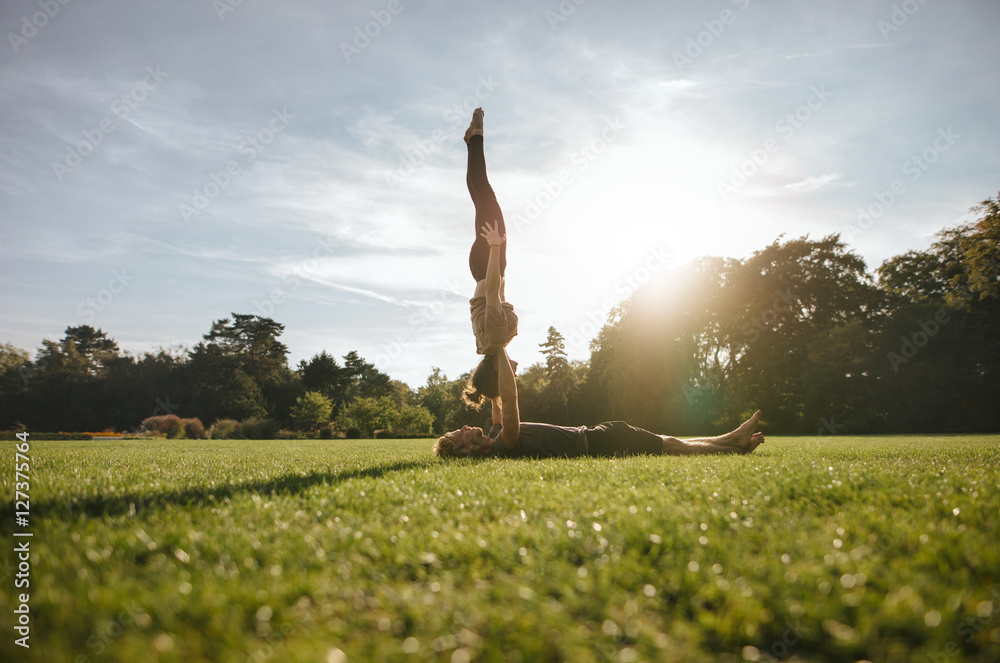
[812,183]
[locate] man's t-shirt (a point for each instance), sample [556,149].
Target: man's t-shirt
[542,441]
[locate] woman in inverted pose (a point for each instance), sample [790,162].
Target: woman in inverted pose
[494,322]
[509,436]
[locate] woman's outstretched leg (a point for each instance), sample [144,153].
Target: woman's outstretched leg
[484,199]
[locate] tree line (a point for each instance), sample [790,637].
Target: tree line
[800,329]
[236,381]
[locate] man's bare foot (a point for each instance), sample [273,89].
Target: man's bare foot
[476,126]
[745,438]
[756,440]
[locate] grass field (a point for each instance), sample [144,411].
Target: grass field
[818,549]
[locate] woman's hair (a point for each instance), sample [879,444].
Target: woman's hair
[483,383]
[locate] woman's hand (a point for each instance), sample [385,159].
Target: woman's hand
[491,234]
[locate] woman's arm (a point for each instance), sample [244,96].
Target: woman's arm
[510,419]
[497,410]
[494,282]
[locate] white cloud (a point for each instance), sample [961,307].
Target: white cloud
[812,183]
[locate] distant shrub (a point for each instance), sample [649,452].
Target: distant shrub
[352,433]
[167,425]
[194,429]
[326,433]
[176,430]
[285,434]
[257,428]
[224,429]
[384,434]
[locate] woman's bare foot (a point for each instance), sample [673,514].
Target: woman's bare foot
[476,126]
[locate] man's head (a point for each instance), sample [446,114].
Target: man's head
[466,441]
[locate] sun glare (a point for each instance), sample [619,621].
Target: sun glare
[637,212]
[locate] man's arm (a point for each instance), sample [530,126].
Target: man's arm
[494,282]
[497,410]
[510,419]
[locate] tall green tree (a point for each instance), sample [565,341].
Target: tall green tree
[548,392]
[63,384]
[939,347]
[363,380]
[411,420]
[240,370]
[15,365]
[368,414]
[134,388]
[791,299]
[254,341]
[311,411]
[441,397]
[322,373]
[436,397]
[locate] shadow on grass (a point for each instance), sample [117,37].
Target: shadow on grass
[199,496]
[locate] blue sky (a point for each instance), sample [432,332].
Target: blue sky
[166,164]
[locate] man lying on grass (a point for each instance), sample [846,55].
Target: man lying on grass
[511,437]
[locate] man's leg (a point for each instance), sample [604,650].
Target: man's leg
[673,446]
[743,440]
[617,438]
